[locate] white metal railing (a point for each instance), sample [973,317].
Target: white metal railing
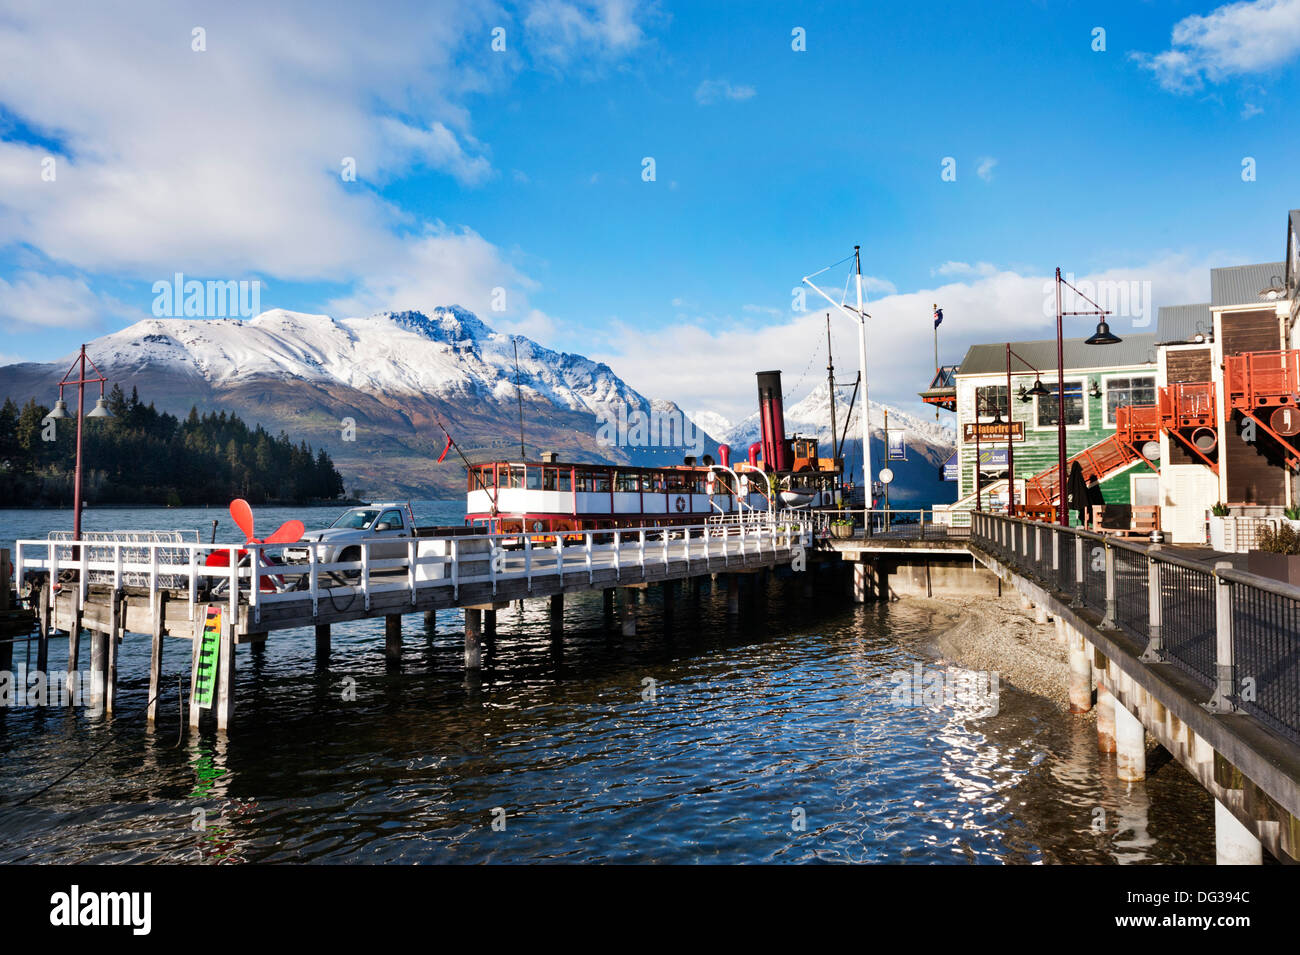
[429,562]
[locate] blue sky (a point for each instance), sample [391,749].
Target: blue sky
[479,169]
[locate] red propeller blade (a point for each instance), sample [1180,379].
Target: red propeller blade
[287,533]
[242,515]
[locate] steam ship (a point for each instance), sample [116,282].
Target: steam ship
[549,495]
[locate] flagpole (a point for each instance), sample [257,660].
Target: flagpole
[936,352]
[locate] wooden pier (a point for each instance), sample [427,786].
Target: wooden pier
[166,589]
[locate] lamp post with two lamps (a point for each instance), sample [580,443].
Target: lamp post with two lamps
[61,411]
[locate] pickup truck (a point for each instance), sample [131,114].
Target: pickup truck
[388,526]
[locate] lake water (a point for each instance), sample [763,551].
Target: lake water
[768,738]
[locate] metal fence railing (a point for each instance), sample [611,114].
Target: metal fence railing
[1237,634]
[892,523]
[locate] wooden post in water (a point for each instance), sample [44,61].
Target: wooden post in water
[733,594]
[196,648]
[322,643]
[473,638]
[628,614]
[43,621]
[489,625]
[431,622]
[116,628]
[557,617]
[75,687]
[226,675]
[393,639]
[607,596]
[6,638]
[157,615]
[98,668]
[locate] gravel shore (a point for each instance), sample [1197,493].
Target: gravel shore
[995,633]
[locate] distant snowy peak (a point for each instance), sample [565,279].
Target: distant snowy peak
[812,416]
[447,353]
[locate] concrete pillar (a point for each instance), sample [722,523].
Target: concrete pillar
[1080,675]
[473,638]
[1130,746]
[393,638]
[1025,602]
[1105,720]
[489,625]
[322,642]
[1040,614]
[1234,844]
[557,617]
[629,616]
[861,583]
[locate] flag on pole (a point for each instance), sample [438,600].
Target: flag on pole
[938,316]
[445,450]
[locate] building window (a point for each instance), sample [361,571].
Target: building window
[991,400]
[1073,405]
[1120,392]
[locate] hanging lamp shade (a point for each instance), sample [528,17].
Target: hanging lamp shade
[1103,336]
[1038,390]
[60,409]
[100,410]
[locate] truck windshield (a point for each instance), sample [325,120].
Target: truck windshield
[359,519]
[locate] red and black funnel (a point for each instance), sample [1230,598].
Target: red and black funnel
[771,416]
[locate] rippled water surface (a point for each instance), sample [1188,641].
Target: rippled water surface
[768,738]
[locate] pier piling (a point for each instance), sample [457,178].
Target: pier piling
[226,676]
[43,621]
[629,616]
[557,617]
[1130,745]
[74,653]
[473,638]
[431,622]
[1234,844]
[733,594]
[607,599]
[489,625]
[1105,719]
[1080,674]
[393,639]
[322,642]
[157,614]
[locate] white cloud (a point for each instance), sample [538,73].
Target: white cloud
[559,31]
[985,168]
[1251,110]
[714,363]
[714,91]
[1236,39]
[36,300]
[964,268]
[226,163]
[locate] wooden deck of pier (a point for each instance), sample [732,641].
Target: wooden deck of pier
[476,574]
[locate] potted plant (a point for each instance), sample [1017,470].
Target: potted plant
[1218,527]
[842,528]
[1277,554]
[1292,515]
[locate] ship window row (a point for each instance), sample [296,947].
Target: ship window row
[543,478]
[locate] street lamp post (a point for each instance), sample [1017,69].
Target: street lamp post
[61,411]
[1102,336]
[1039,390]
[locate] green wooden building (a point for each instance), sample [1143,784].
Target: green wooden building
[1099,379]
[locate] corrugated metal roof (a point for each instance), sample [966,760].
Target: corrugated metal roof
[1181,323]
[1241,284]
[987,359]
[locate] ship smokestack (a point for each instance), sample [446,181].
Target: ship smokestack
[771,415]
[724,455]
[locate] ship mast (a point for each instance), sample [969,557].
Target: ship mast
[830,382]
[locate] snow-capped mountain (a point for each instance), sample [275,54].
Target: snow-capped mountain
[449,353]
[373,391]
[811,415]
[376,391]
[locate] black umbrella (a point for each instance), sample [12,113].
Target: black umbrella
[1077,494]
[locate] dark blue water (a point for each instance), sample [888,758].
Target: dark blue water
[771,738]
